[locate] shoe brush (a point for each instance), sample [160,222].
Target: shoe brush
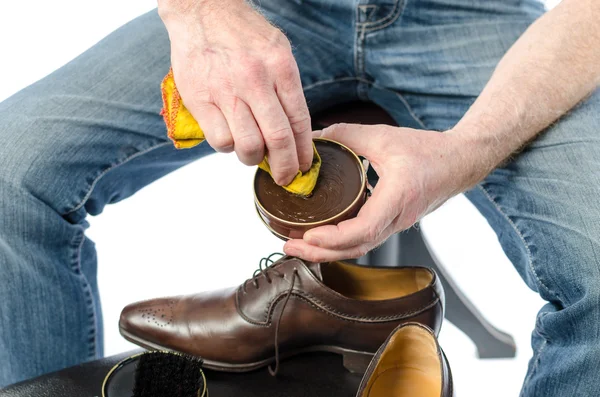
[156,374]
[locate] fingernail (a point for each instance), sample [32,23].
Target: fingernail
[317,133]
[284,182]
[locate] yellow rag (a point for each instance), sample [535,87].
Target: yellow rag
[185,133]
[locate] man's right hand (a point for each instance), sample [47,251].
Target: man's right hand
[237,76]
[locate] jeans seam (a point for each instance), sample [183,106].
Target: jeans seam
[359,56]
[410,109]
[89,296]
[535,365]
[356,39]
[391,18]
[488,195]
[110,168]
[371,7]
[538,326]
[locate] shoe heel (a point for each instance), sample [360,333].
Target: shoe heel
[356,362]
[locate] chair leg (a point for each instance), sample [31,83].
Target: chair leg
[409,248]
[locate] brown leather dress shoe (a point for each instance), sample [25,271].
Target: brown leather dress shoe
[289,307]
[409,364]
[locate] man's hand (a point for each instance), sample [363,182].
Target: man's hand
[238,77]
[418,171]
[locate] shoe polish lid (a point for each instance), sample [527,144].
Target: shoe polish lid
[340,192]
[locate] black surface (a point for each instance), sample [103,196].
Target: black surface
[121,381]
[313,375]
[309,375]
[82,381]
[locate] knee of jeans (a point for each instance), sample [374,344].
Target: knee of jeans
[30,163]
[566,262]
[574,317]
[557,186]
[575,323]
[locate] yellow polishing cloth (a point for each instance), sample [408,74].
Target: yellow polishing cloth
[185,133]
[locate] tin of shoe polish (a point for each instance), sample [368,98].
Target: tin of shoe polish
[340,192]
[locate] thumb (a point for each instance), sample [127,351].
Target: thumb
[354,136]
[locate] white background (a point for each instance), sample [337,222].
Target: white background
[148,249]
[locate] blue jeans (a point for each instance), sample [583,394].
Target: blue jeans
[90,134]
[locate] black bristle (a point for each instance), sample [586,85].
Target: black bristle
[164,374]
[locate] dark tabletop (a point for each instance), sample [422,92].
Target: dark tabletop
[313,375]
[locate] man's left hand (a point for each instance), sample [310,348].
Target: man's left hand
[418,171]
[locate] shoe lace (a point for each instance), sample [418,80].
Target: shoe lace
[264,267]
[272,371]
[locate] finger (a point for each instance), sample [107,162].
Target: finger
[351,135]
[215,127]
[247,139]
[291,96]
[278,137]
[301,249]
[374,217]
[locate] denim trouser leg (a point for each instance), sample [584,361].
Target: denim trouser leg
[427,67]
[63,140]
[544,207]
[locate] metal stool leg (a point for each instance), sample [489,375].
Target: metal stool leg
[409,248]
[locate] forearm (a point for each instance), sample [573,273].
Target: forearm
[192,10]
[553,66]
[193,24]
[190,5]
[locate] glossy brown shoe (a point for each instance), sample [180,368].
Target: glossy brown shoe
[410,363]
[287,308]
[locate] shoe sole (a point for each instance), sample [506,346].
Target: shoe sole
[353,360]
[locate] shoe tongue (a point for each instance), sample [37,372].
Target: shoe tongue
[315,268]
